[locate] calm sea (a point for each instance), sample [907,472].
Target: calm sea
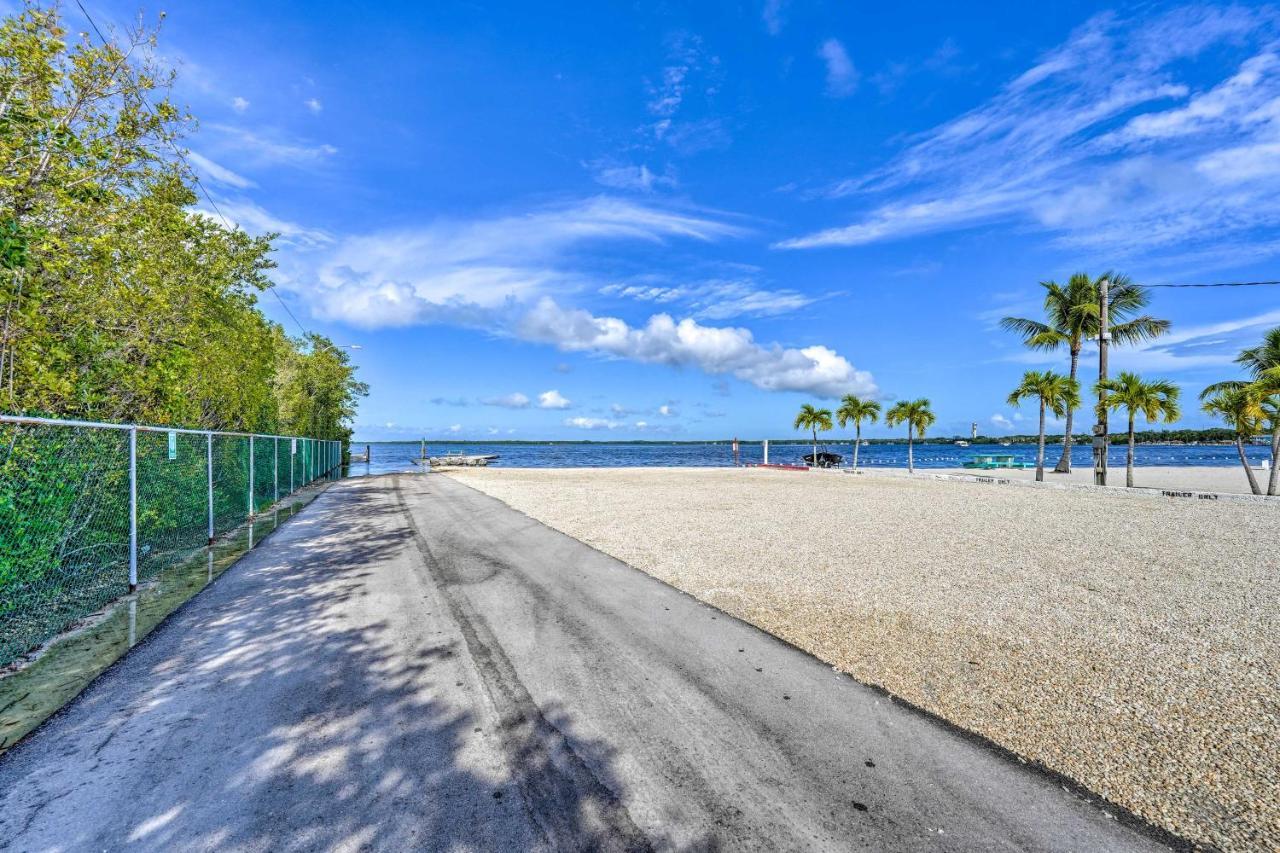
[391,457]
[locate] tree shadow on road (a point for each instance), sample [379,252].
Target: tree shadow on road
[258,718]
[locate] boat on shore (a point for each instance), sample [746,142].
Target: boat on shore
[458,460]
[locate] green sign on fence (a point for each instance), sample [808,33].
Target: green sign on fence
[173,445]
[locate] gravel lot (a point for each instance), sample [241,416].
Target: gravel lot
[1131,643]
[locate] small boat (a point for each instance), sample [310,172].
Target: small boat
[962,443]
[1006,444]
[459,459]
[825,459]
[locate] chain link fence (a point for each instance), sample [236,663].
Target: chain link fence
[87,510]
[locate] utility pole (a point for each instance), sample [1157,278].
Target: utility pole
[1100,439]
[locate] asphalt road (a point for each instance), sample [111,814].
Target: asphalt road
[409,664]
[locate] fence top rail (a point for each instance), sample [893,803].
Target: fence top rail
[28,419]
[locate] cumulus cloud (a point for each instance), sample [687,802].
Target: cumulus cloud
[553,399]
[515,400]
[842,77]
[592,423]
[1001,421]
[239,104]
[687,343]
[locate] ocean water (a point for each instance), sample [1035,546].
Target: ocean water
[391,457]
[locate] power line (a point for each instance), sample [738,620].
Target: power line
[195,175]
[1218,284]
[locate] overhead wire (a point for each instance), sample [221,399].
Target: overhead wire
[195,175]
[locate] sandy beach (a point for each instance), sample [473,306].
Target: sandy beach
[1227,480]
[1129,642]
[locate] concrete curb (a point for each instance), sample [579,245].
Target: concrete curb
[1114,491]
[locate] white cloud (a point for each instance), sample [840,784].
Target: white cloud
[239,104]
[641,425]
[713,349]
[256,220]
[464,271]
[718,299]
[1001,421]
[842,77]
[1101,145]
[626,176]
[217,174]
[270,148]
[553,399]
[314,105]
[591,423]
[508,401]
[666,411]
[456,428]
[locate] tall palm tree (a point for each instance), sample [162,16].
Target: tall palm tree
[1263,364]
[1242,411]
[857,410]
[918,417]
[814,419]
[1057,393]
[1157,400]
[1071,319]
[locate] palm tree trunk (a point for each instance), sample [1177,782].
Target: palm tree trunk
[857,439]
[911,461]
[1248,472]
[815,447]
[1128,465]
[1064,464]
[1274,480]
[1040,450]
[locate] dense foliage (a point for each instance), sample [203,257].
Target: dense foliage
[120,301]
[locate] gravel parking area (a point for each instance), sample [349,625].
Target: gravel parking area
[1130,643]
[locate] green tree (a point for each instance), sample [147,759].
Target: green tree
[813,419]
[317,389]
[1057,394]
[1242,412]
[1156,400]
[1071,319]
[918,417]
[857,410]
[1263,365]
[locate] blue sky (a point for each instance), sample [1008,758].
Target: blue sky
[648,220]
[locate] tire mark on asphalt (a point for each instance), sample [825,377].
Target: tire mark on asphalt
[565,800]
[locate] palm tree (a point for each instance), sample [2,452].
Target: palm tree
[917,416]
[857,410]
[814,419]
[1157,400]
[1057,393]
[1263,364]
[1242,411]
[1071,312]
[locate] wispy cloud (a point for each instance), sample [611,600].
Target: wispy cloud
[717,299]
[626,176]
[239,104]
[217,174]
[269,147]
[771,14]
[464,270]
[314,105]
[255,219]
[1100,144]
[842,76]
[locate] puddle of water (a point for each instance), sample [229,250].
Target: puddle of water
[32,694]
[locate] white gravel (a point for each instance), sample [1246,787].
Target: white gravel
[1132,644]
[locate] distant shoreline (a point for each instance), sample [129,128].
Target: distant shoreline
[805,442]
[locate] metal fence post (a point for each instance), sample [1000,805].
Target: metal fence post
[208,458]
[133,509]
[251,476]
[275,469]
[293,447]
